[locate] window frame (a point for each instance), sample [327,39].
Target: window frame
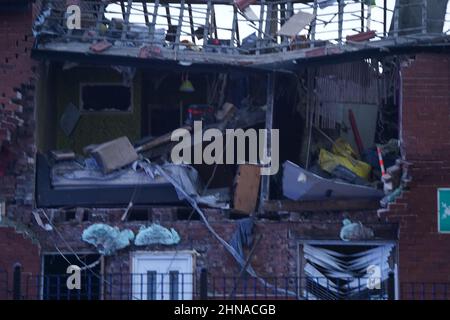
[84,111]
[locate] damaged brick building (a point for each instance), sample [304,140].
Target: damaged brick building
[362,110]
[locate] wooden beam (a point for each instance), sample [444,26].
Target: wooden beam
[265,179]
[321,205]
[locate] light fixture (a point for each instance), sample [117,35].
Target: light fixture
[186,84]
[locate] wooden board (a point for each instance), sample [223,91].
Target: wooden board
[295,24]
[247,188]
[114,154]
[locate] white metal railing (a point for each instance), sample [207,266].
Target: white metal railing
[219,26]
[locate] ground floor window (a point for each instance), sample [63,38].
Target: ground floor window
[347,271]
[53,282]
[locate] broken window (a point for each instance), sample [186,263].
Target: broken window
[342,272]
[105,97]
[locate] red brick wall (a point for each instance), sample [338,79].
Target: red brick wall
[16,106]
[424,253]
[15,67]
[16,142]
[16,248]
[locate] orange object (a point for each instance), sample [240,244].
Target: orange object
[100,46]
[362,36]
[242,4]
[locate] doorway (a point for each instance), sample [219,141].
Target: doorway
[163,275]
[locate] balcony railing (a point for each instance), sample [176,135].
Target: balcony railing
[172,29]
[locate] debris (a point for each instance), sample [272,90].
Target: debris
[355,231]
[343,173]
[100,46]
[325,3]
[380,161]
[243,4]
[395,172]
[336,272]
[243,236]
[185,176]
[320,205]
[62,155]
[156,234]
[193,202]
[387,183]
[390,153]
[391,148]
[247,187]
[127,73]
[300,184]
[329,161]
[114,154]
[200,112]
[69,119]
[38,219]
[250,15]
[166,138]
[107,239]
[343,148]
[299,42]
[295,24]
[362,36]
[391,197]
[149,51]
[356,135]
[216,198]
[223,113]
[199,32]
[249,42]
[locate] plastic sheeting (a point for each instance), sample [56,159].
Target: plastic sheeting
[187,177]
[156,234]
[227,246]
[107,239]
[243,236]
[355,231]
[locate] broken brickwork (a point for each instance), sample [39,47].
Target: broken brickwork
[425,133]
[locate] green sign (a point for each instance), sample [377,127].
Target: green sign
[443,198]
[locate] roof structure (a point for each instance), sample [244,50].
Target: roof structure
[187,32]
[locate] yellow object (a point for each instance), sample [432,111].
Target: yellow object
[186,86]
[103,28]
[344,149]
[328,161]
